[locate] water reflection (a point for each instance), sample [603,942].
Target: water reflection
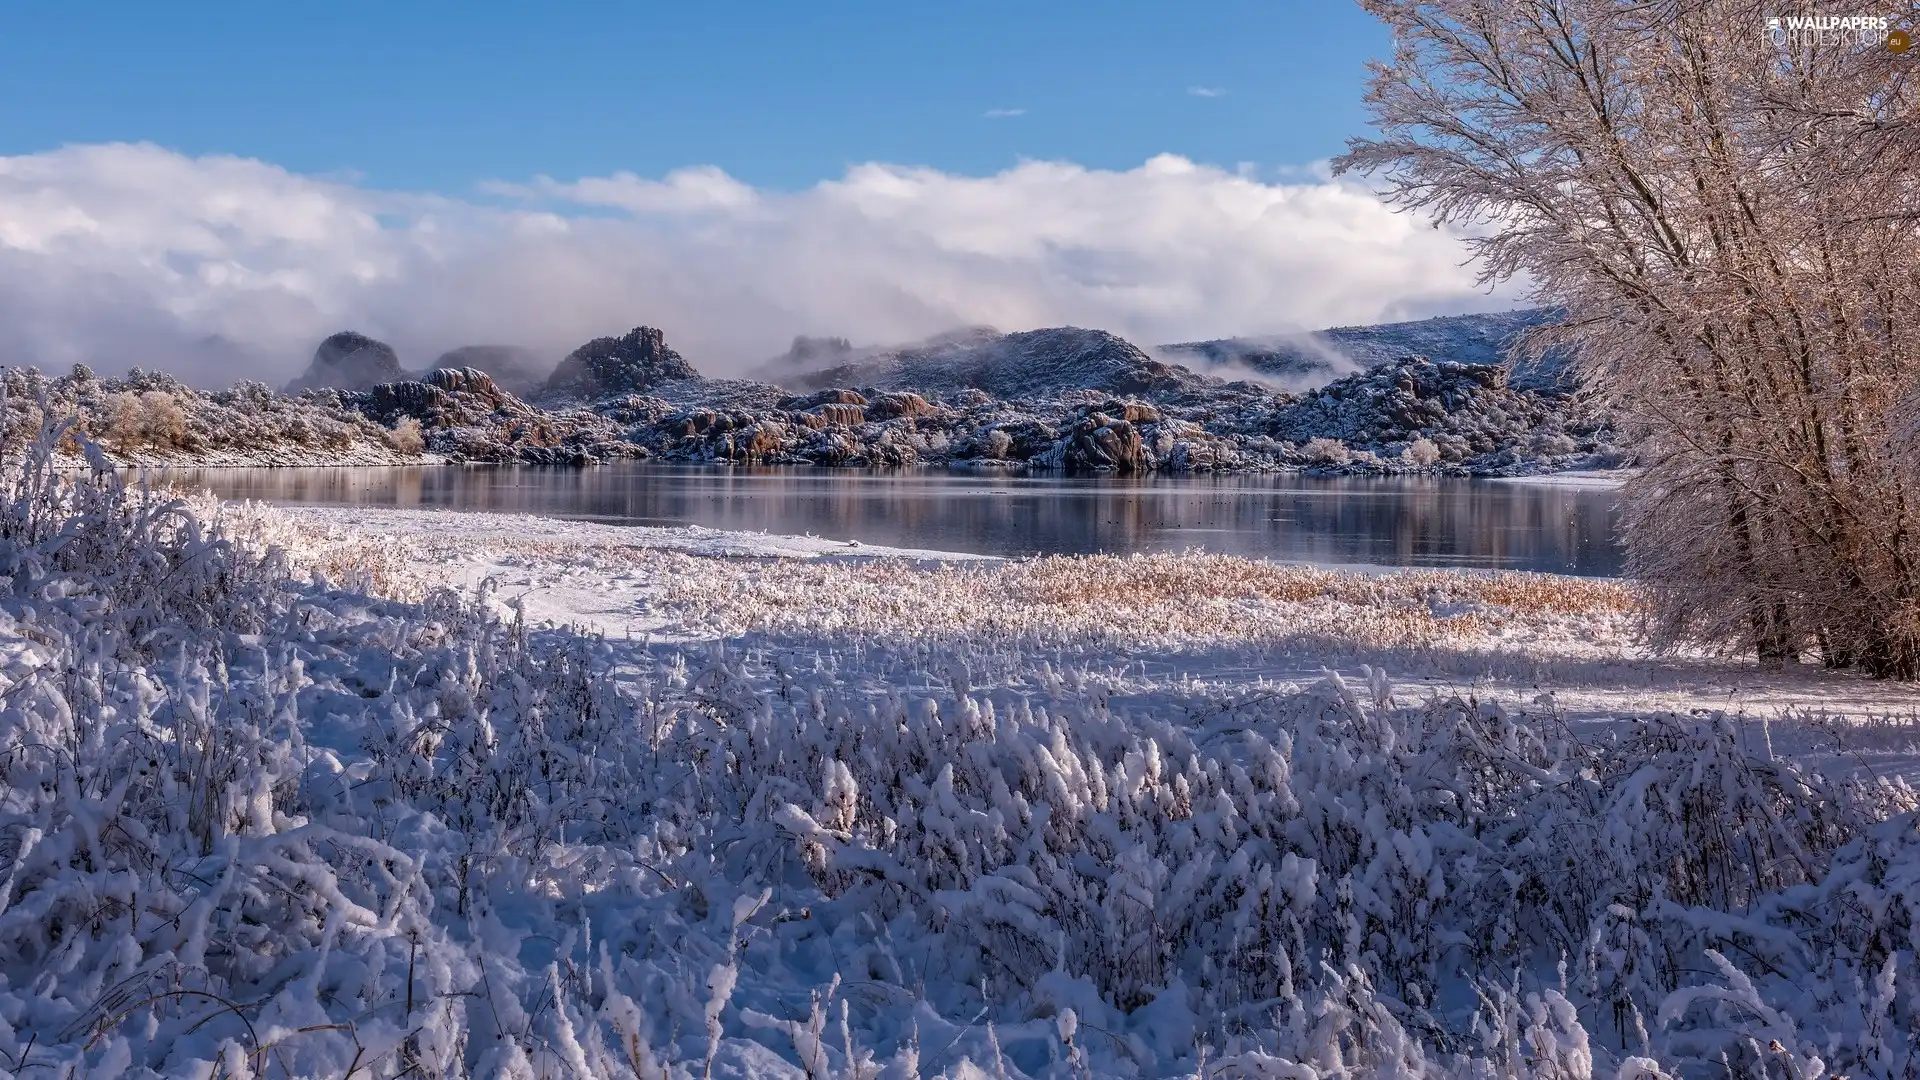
[1393,521]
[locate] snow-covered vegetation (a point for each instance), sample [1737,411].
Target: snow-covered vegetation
[284,805]
[1658,174]
[152,418]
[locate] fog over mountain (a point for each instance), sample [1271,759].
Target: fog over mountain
[219,267]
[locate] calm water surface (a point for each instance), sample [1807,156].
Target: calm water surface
[1333,520]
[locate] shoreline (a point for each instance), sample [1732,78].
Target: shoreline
[1597,478]
[1223,620]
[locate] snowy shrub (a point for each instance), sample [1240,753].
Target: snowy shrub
[1552,444]
[405,436]
[166,422]
[1421,453]
[126,425]
[150,417]
[1326,452]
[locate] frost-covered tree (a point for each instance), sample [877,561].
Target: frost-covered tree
[1725,216]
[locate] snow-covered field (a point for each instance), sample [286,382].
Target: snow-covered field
[1221,619]
[327,792]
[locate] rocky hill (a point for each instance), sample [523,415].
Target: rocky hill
[348,361]
[635,362]
[1022,365]
[1468,413]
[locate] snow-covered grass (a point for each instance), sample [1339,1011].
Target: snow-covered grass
[814,821]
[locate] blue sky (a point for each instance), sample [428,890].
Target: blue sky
[440,96]
[440,174]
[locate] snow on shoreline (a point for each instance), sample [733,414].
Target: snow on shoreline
[1572,478]
[1223,619]
[484,526]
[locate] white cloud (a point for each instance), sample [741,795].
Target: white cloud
[122,254]
[682,191]
[1207,91]
[1002,114]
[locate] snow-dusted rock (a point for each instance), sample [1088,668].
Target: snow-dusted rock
[1468,411]
[521,372]
[637,361]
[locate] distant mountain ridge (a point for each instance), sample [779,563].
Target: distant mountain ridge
[1031,363]
[1062,359]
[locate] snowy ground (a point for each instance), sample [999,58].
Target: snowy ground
[282,795]
[1234,624]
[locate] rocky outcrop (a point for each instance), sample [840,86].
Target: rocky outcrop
[889,406]
[464,415]
[1467,411]
[636,362]
[833,415]
[390,401]
[1101,443]
[349,361]
[829,396]
[468,380]
[442,398]
[521,372]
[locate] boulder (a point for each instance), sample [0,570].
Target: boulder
[467,381]
[829,396]
[516,370]
[889,406]
[1133,412]
[842,415]
[1101,443]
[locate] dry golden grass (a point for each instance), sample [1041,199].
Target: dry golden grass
[1175,598]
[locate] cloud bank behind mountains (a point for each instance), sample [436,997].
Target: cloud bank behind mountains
[219,267]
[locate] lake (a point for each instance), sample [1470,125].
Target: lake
[1391,521]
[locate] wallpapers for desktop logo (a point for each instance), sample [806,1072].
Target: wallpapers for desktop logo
[1831,31]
